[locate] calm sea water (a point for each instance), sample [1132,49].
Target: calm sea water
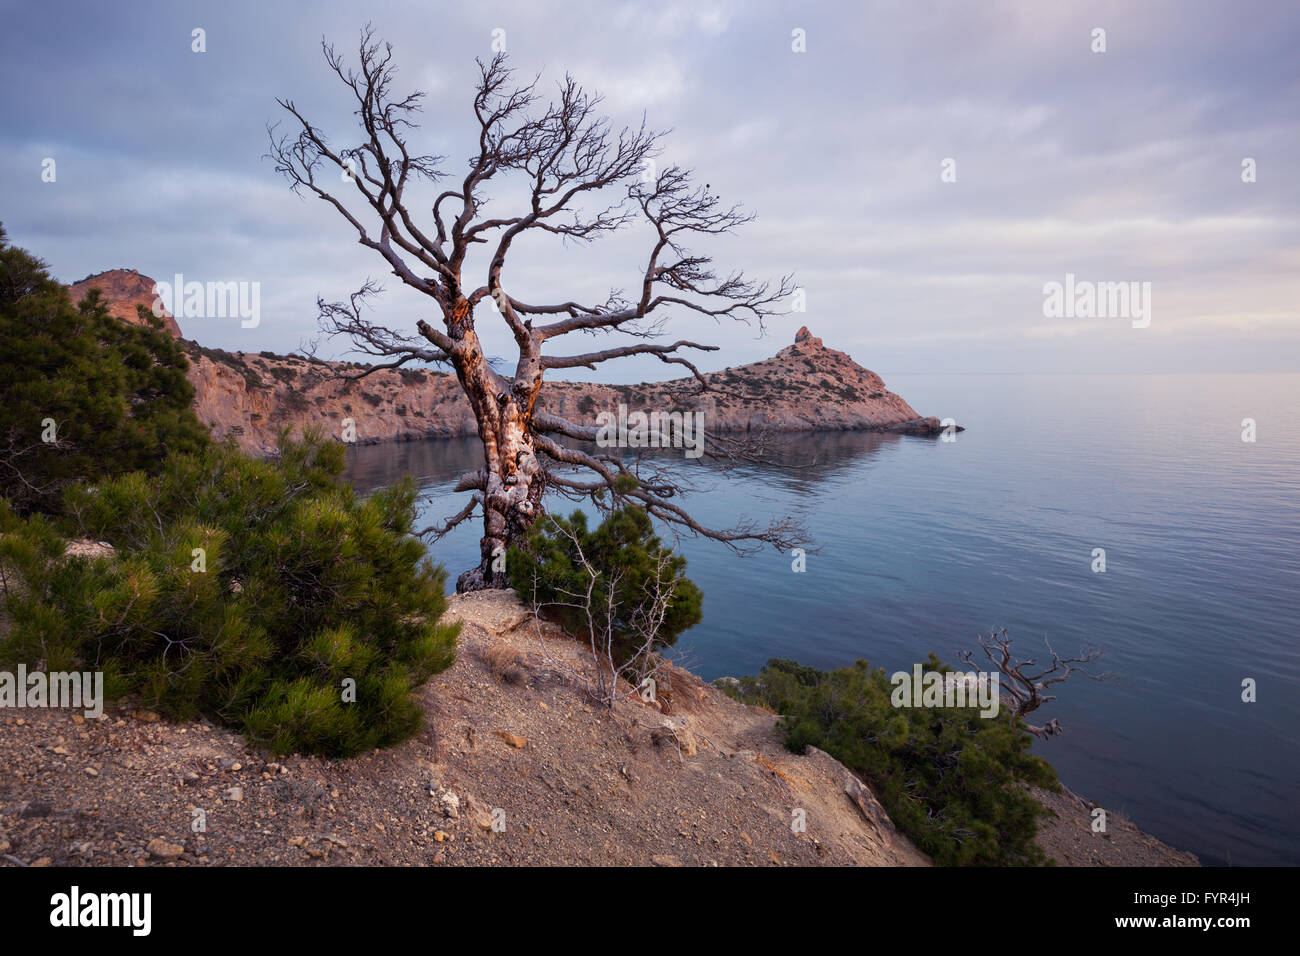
[924,544]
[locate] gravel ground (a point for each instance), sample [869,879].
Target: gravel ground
[516,766]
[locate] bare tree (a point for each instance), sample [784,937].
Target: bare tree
[1028,691]
[565,152]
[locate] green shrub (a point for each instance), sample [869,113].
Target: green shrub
[949,779]
[628,561]
[304,588]
[848,393]
[294,400]
[116,393]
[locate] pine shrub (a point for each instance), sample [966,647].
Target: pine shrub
[86,395]
[629,561]
[305,621]
[951,780]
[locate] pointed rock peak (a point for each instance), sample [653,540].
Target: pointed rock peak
[803,335]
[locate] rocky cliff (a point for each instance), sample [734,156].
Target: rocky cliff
[804,387]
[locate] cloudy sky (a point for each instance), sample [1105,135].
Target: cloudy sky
[1123,165]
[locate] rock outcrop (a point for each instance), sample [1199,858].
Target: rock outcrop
[123,290]
[804,387]
[803,335]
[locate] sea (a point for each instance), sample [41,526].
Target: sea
[1155,518]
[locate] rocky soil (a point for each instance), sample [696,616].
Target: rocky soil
[516,766]
[511,739]
[1067,836]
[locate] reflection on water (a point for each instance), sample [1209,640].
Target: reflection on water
[803,458]
[430,462]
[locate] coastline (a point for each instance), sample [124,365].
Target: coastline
[805,387]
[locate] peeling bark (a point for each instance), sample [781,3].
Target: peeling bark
[514,483]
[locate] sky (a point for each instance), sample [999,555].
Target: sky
[925,170]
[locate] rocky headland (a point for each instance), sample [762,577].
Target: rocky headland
[251,396]
[123,290]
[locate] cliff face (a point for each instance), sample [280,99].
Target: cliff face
[804,387]
[253,396]
[123,290]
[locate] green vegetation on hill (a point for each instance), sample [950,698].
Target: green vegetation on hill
[260,593]
[85,395]
[949,779]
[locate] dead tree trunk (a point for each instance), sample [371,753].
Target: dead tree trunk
[513,481]
[1028,691]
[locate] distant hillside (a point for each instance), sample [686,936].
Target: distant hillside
[804,387]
